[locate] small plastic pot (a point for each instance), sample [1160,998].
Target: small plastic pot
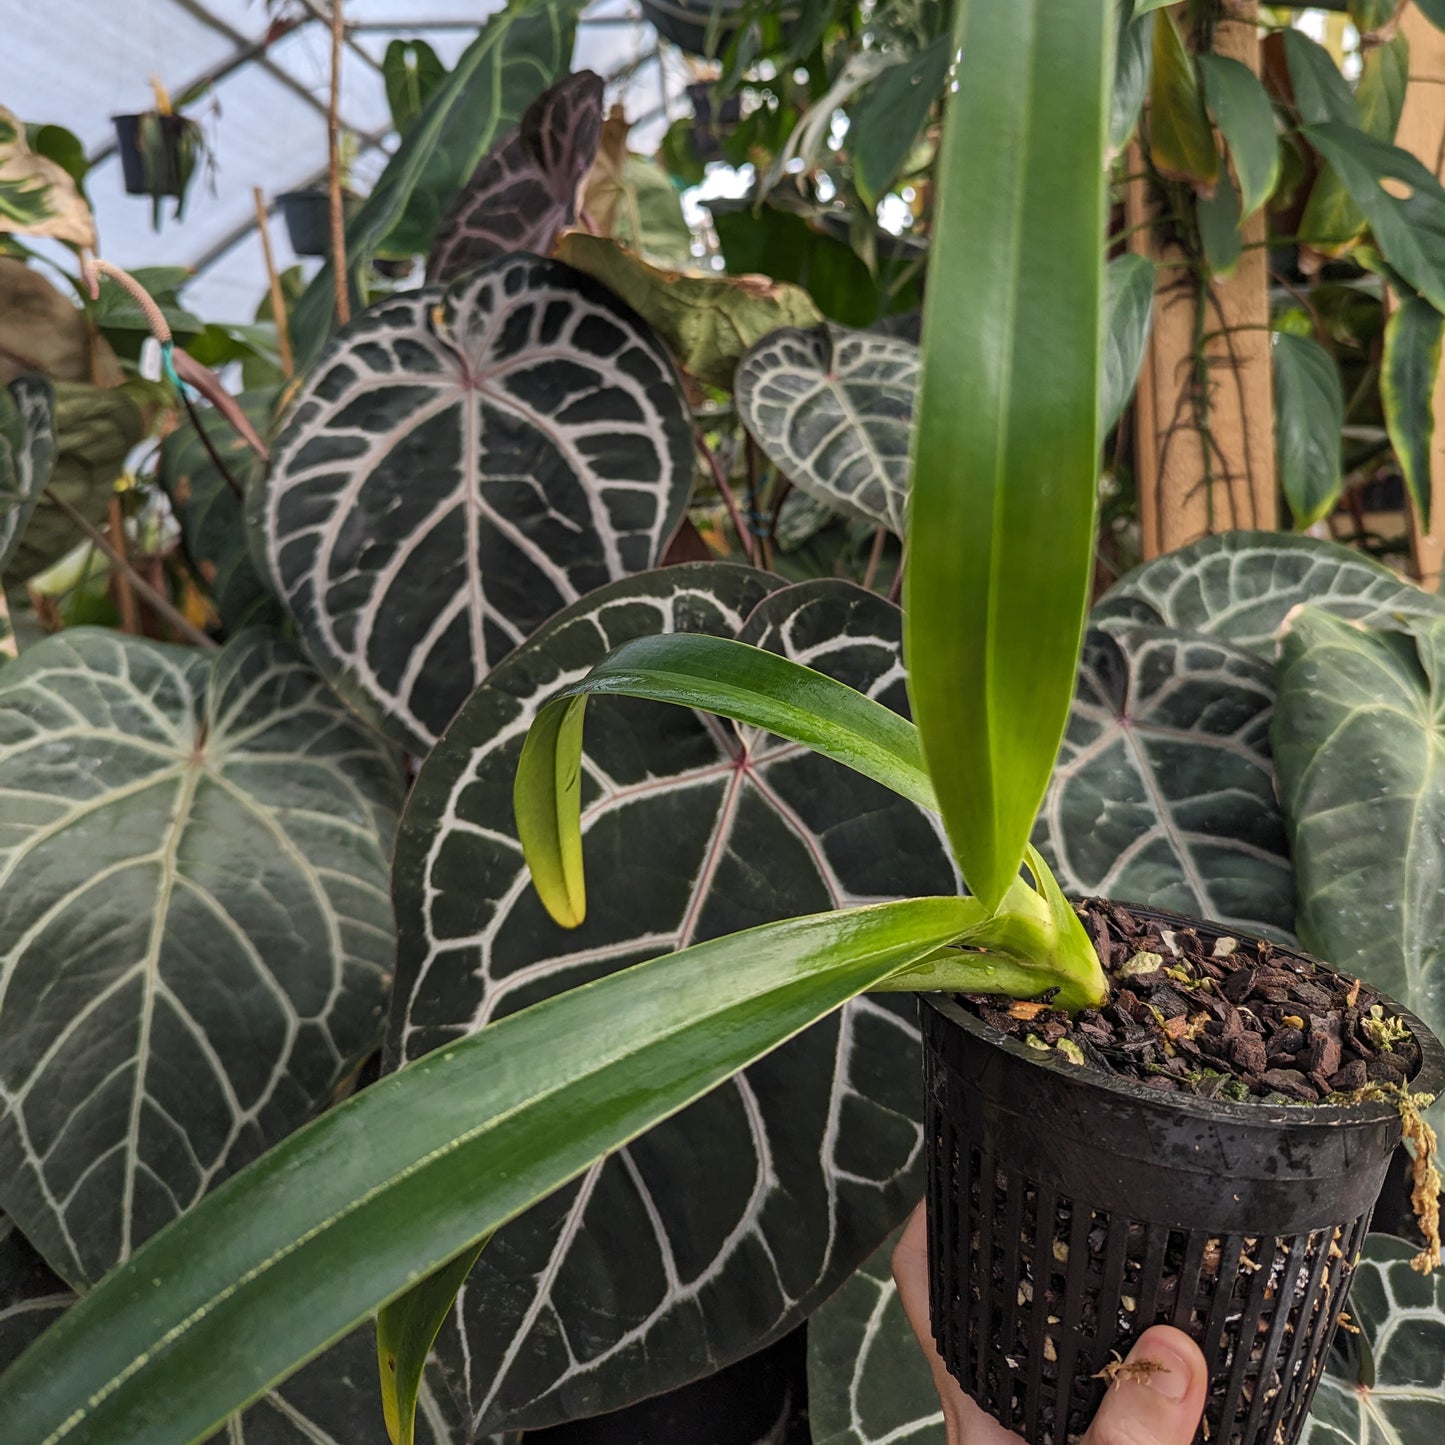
[1069,1210]
[308,219]
[132,161]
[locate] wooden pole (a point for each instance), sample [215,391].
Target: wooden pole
[333,141]
[1208,359]
[1422,132]
[278,299]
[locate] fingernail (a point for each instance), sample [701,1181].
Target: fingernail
[1168,1374]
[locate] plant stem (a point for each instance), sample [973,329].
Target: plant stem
[162,605]
[278,300]
[216,459]
[721,482]
[129,611]
[333,170]
[874,558]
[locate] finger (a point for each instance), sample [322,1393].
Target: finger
[1157,1396]
[964,1422]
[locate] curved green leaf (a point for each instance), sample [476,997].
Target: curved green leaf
[1244,113]
[517,54]
[1433,11]
[1164,791]
[463,463]
[1385,1386]
[693,827]
[716,675]
[412,72]
[195,935]
[1321,93]
[1005,467]
[1128,312]
[1380,92]
[868,1382]
[27,452]
[1309,410]
[1133,64]
[342,1216]
[891,111]
[833,409]
[1240,586]
[1181,140]
[1408,373]
[1219,227]
[1360,758]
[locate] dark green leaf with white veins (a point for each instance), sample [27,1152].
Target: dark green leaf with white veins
[833,409]
[1164,793]
[720,1230]
[463,463]
[1309,412]
[1385,1386]
[868,1382]
[212,516]
[195,937]
[1360,758]
[1240,586]
[27,449]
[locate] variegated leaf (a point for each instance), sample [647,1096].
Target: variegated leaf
[868,1380]
[463,463]
[1239,586]
[195,936]
[331,1401]
[833,409]
[524,192]
[1164,790]
[1386,1386]
[720,1230]
[27,450]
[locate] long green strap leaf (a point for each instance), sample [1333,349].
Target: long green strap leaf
[1408,372]
[1006,450]
[717,675]
[353,1210]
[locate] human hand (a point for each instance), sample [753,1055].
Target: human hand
[1158,1407]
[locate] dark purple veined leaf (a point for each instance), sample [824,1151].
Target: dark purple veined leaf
[525,191]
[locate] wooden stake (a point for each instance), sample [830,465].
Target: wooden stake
[333,141]
[278,301]
[125,593]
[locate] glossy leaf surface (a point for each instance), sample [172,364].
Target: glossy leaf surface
[1128,312]
[833,409]
[1004,467]
[1243,112]
[1133,64]
[1164,790]
[887,117]
[642,1276]
[195,935]
[1409,369]
[463,463]
[1181,141]
[1309,409]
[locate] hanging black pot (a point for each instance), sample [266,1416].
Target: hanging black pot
[308,219]
[157,152]
[687,22]
[1071,1209]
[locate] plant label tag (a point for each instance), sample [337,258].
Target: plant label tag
[150,359]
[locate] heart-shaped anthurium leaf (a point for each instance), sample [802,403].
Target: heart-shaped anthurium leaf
[332,1399]
[1164,792]
[833,408]
[1240,586]
[868,1381]
[523,193]
[211,510]
[721,1229]
[27,449]
[1386,1385]
[463,463]
[195,935]
[1361,764]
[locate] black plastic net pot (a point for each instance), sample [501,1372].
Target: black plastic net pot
[168,182]
[1069,1210]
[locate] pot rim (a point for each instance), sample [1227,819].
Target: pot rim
[1428,1078]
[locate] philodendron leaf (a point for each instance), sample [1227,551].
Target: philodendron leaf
[213,516]
[833,410]
[522,195]
[886,118]
[1360,760]
[1385,1386]
[519,51]
[692,827]
[1133,63]
[1242,110]
[707,321]
[1240,586]
[463,463]
[344,1215]
[1005,467]
[195,937]
[1164,790]
[1128,311]
[1181,141]
[1408,373]
[1321,93]
[27,451]
[1309,407]
[868,1381]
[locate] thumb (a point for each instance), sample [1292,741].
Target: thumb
[1157,1395]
